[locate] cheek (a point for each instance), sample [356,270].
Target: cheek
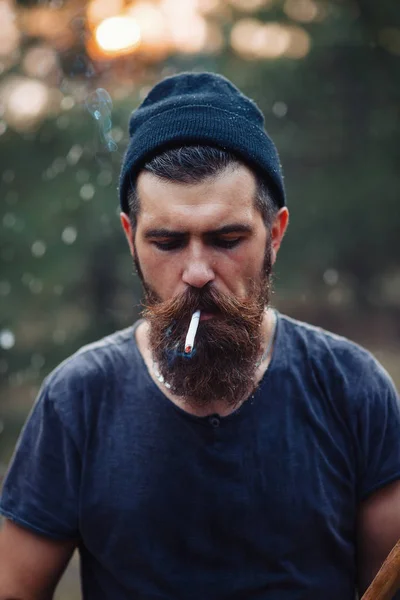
[159,271]
[236,272]
[249,260]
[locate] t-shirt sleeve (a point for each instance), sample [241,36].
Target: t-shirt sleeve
[41,487]
[378,434]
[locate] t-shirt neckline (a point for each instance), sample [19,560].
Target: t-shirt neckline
[243,409]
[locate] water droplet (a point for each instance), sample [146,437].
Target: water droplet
[280,109]
[87,191]
[74,154]
[69,235]
[331,277]
[38,248]
[97,114]
[7,339]
[3,127]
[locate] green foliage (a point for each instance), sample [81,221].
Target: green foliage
[66,273]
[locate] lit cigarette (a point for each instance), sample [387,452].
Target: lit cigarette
[191,334]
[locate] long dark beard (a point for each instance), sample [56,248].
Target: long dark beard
[223,363]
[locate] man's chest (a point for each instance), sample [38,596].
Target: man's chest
[286,480]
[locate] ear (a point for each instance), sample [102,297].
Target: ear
[278,229]
[127,227]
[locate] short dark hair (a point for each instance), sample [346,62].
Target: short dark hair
[194,164]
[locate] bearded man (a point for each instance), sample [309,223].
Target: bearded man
[260,463]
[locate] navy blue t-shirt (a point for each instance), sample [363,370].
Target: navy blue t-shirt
[258,505]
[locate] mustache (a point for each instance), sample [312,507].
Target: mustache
[207,299]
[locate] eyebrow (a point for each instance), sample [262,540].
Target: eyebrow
[168,233]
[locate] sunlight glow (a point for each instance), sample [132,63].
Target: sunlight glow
[253,39]
[151,22]
[46,24]
[10,35]
[304,11]
[250,5]
[40,61]
[99,10]
[25,101]
[118,35]
[187,28]
[208,7]
[299,43]
[190,38]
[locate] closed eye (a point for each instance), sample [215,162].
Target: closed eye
[226,243]
[176,243]
[171,245]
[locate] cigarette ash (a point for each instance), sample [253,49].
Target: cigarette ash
[173,355]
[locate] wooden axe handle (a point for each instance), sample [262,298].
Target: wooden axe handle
[387,580]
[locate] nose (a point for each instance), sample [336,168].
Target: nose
[198,270]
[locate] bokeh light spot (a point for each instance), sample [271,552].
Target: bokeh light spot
[87,191]
[331,277]
[7,339]
[280,109]
[69,235]
[38,248]
[118,35]
[304,11]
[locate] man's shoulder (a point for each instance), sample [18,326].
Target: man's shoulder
[95,363]
[321,340]
[334,355]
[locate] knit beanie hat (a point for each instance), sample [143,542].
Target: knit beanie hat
[196,109]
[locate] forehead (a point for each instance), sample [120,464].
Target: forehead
[211,203]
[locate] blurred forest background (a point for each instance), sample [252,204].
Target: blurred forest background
[326,75]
